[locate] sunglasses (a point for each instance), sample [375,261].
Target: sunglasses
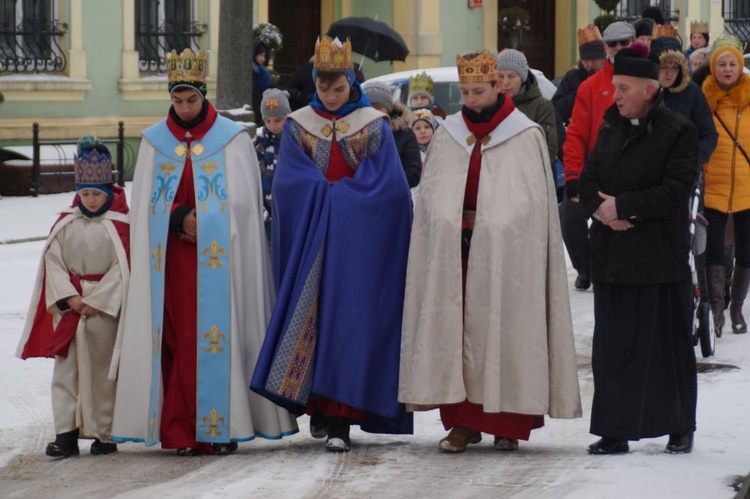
[621,43]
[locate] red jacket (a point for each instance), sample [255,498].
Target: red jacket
[594,96]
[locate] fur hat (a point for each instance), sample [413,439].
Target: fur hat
[511,59]
[275,103]
[634,61]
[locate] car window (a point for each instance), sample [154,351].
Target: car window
[447,96]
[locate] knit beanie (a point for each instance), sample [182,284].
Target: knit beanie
[275,103]
[664,43]
[511,59]
[424,115]
[644,27]
[379,93]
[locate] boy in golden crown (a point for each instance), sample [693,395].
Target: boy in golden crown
[76,304]
[201,290]
[342,211]
[487,333]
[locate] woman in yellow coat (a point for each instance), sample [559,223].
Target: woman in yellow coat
[727,177]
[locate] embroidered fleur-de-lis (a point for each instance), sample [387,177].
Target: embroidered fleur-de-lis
[213,255]
[158,255]
[213,421]
[214,337]
[157,342]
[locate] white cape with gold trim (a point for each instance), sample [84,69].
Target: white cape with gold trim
[511,347]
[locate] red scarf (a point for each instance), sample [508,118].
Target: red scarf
[480,131]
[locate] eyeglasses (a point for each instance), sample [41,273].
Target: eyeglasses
[621,43]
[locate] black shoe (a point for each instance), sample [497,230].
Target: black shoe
[680,443]
[189,451]
[609,445]
[318,427]
[99,448]
[65,445]
[582,281]
[224,449]
[338,436]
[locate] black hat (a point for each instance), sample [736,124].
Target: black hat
[654,12]
[664,43]
[644,27]
[592,50]
[634,61]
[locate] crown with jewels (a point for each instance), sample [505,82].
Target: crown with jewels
[482,68]
[662,30]
[698,27]
[727,41]
[421,83]
[332,55]
[589,34]
[188,68]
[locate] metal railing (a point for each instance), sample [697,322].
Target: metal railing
[36,166]
[154,44]
[32,47]
[630,10]
[739,27]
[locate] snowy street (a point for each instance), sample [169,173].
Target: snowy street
[554,463]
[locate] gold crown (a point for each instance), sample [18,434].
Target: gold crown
[332,55]
[186,67]
[480,69]
[727,41]
[698,27]
[421,83]
[588,34]
[661,30]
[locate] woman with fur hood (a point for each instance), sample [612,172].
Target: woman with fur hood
[381,98]
[727,178]
[683,96]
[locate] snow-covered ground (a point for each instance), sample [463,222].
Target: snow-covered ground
[553,464]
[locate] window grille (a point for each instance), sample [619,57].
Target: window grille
[736,15]
[30,37]
[630,10]
[163,25]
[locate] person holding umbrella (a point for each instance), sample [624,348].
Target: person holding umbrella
[342,215]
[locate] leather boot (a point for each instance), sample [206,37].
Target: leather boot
[458,439]
[65,445]
[715,282]
[739,291]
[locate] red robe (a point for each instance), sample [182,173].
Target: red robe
[467,414]
[180,337]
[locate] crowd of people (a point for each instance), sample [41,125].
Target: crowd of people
[362,259]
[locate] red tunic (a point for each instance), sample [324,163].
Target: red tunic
[180,336]
[467,414]
[338,168]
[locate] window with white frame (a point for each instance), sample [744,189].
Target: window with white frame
[163,25]
[30,37]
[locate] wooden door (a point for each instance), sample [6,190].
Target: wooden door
[299,22]
[537,41]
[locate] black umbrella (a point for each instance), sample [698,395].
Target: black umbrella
[371,38]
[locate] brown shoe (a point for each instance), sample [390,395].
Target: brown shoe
[506,444]
[458,438]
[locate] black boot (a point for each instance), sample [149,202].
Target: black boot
[338,435]
[99,448]
[715,279]
[609,445]
[224,449]
[680,443]
[318,425]
[65,445]
[740,285]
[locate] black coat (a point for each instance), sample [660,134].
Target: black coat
[651,169]
[692,104]
[565,95]
[406,143]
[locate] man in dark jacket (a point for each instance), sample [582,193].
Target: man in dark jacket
[636,184]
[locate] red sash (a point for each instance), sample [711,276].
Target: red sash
[66,328]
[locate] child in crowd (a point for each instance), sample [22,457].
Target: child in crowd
[75,308]
[422,94]
[274,107]
[423,125]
